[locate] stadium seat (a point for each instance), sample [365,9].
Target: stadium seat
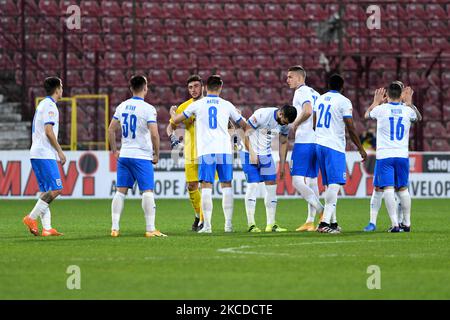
[112,9]
[159,78]
[173,27]
[415,11]
[315,12]
[214,28]
[9,8]
[222,62]
[230,94]
[194,27]
[280,45]
[175,43]
[434,129]
[150,9]
[239,44]
[435,11]
[165,96]
[433,113]
[114,60]
[90,8]
[253,12]
[228,77]
[233,11]
[270,96]
[93,42]
[91,25]
[440,145]
[32,8]
[219,45]
[171,10]
[259,45]
[50,42]
[283,61]
[179,76]
[247,78]
[256,28]
[6,62]
[112,25]
[156,60]
[237,28]
[246,112]
[115,43]
[212,11]
[153,26]
[193,11]
[179,60]
[263,62]
[294,11]
[276,29]
[74,79]
[270,78]
[48,61]
[155,43]
[247,96]
[127,8]
[197,44]
[394,12]
[274,11]
[49,7]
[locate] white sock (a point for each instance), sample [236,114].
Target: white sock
[375,205]
[330,202]
[333,216]
[227,205]
[312,182]
[399,208]
[149,207]
[250,202]
[39,209]
[270,200]
[405,200]
[391,205]
[116,209]
[46,219]
[207,206]
[306,192]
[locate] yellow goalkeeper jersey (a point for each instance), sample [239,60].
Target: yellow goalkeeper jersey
[190,150]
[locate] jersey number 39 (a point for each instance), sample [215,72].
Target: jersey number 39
[129,126]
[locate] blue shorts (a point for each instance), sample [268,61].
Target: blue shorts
[304,160]
[391,172]
[129,170]
[210,163]
[47,174]
[265,171]
[332,165]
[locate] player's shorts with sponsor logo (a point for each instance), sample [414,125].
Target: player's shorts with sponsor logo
[391,172]
[209,164]
[130,170]
[304,160]
[265,170]
[332,165]
[47,174]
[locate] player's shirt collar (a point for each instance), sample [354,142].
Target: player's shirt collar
[212,95]
[51,99]
[137,98]
[333,91]
[395,103]
[300,86]
[275,114]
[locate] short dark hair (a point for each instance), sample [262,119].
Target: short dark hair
[336,82]
[214,82]
[394,90]
[289,112]
[137,83]
[51,84]
[298,69]
[194,77]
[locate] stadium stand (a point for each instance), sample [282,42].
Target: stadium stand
[250,43]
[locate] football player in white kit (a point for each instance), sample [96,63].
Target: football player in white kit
[138,153]
[214,149]
[304,166]
[392,166]
[44,153]
[258,165]
[332,114]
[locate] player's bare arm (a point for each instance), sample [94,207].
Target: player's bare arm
[248,131]
[54,142]
[283,139]
[406,97]
[354,137]
[113,127]
[154,135]
[304,115]
[378,98]
[177,118]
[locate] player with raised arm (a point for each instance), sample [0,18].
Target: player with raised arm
[195,88]
[304,167]
[332,115]
[392,167]
[138,153]
[44,153]
[257,162]
[214,149]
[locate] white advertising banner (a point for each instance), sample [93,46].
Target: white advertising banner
[92,174]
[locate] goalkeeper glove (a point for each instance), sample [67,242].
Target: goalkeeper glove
[174,140]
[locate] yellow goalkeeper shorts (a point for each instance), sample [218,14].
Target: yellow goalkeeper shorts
[191,172]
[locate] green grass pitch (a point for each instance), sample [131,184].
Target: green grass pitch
[186,265]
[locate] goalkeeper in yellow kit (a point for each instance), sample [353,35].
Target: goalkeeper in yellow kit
[195,88]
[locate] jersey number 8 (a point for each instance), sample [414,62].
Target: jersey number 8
[212,112]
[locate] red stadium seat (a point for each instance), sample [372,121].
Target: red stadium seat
[242,61]
[74,79]
[434,129]
[159,78]
[156,60]
[193,11]
[50,42]
[219,45]
[175,43]
[91,25]
[315,12]
[49,8]
[90,8]
[433,113]
[270,78]
[237,28]
[32,8]
[203,62]
[247,96]
[233,11]
[112,9]
[194,27]
[354,12]
[141,43]
[213,11]
[259,45]
[228,77]
[274,11]
[394,12]
[256,29]
[150,9]
[116,43]
[239,44]
[171,10]
[222,62]
[6,62]
[247,78]
[415,11]
[440,145]
[155,43]
[173,27]
[229,94]
[283,61]
[48,61]
[140,60]
[75,42]
[93,42]
[253,12]
[294,11]
[276,29]
[153,26]
[9,8]
[111,25]
[179,76]
[263,62]
[179,60]
[198,44]
[279,45]
[164,95]
[214,28]
[446,116]
[113,60]
[127,8]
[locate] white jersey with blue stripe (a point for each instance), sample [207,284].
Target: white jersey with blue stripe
[393,124]
[266,128]
[331,109]
[46,113]
[212,114]
[305,132]
[134,116]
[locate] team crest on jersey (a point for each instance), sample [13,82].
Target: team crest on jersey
[344,175]
[58,182]
[51,114]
